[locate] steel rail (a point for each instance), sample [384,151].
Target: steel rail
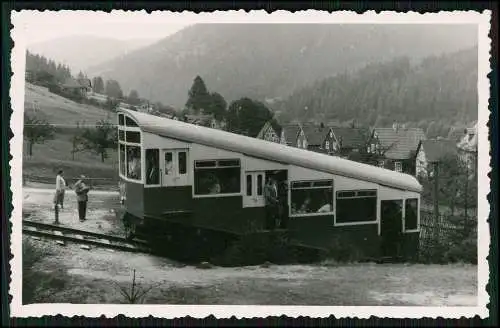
[102,240]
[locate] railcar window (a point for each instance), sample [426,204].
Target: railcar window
[311,197]
[356,206]
[411,213]
[120,119]
[182,162]
[152,166]
[122,160]
[217,177]
[121,135]
[249,185]
[205,164]
[134,162]
[134,137]
[169,163]
[259,184]
[130,122]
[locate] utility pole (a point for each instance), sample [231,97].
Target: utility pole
[436,191]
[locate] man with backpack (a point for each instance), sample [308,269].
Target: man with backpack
[81,190]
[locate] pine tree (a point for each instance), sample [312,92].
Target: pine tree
[198,96]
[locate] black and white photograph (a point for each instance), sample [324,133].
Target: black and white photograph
[250,164]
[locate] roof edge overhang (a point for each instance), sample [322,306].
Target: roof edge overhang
[272,151]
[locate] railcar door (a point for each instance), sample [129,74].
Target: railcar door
[391,216]
[254,189]
[175,167]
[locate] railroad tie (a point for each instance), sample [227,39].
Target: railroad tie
[87,247]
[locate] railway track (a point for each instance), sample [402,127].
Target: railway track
[83,237]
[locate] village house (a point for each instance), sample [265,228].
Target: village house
[467,147]
[290,134]
[272,131]
[75,87]
[319,138]
[348,140]
[202,119]
[396,147]
[430,152]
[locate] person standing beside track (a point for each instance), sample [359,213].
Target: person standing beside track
[82,197]
[60,189]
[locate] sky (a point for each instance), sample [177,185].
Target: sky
[44,26]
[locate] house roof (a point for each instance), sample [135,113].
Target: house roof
[437,149]
[72,83]
[350,137]
[85,83]
[456,133]
[272,151]
[315,134]
[291,132]
[401,143]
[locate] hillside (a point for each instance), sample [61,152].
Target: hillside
[82,51]
[270,60]
[56,154]
[440,88]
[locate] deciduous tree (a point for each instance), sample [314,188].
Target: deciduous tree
[36,131]
[100,139]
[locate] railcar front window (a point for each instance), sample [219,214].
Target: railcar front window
[356,206]
[217,177]
[120,119]
[134,162]
[411,214]
[152,166]
[130,122]
[311,197]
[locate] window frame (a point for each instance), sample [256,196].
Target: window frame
[146,185]
[400,165]
[355,196]
[242,177]
[127,144]
[311,187]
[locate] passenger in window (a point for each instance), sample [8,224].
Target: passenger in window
[272,203]
[168,166]
[306,206]
[327,208]
[134,164]
[214,185]
[152,176]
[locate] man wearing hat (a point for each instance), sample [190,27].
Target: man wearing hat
[82,190]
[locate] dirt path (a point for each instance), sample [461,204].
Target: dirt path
[93,276]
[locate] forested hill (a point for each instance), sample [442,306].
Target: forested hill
[440,89]
[265,61]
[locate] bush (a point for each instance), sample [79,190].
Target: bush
[342,250]
[37,284]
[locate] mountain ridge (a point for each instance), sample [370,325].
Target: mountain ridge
[270,60]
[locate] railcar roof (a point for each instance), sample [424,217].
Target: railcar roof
[272,151]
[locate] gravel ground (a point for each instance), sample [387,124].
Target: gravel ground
[96,275]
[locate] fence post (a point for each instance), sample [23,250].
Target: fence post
[436,198]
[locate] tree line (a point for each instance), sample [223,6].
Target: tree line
[435,94]
[44,69]
[243,116]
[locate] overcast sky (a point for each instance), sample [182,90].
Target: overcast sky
[44,26]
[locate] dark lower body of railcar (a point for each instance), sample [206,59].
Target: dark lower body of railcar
[203,229]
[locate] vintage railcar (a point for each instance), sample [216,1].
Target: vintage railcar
[188,182]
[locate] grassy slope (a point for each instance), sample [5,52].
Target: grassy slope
[54,154]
